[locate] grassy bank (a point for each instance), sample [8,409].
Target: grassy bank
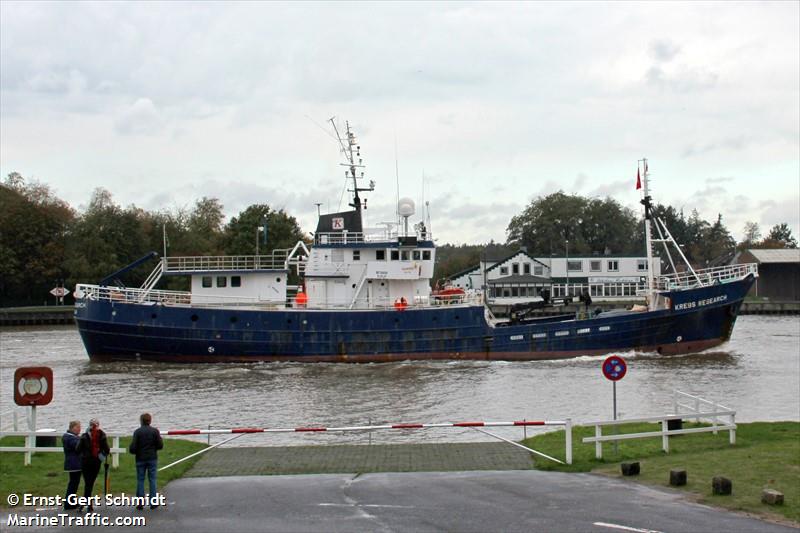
[46,477]
[766,455]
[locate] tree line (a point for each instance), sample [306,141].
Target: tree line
[44,241]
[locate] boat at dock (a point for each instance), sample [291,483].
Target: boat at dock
[364,295]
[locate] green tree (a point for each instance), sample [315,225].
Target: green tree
[240,234]
[780,236]
[590,225]
[34,232]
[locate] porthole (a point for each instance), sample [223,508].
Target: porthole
[354,285]
[234,320]
[153,316]
[277,280]
[194,318]
[289,321]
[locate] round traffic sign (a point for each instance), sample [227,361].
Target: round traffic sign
[614,368]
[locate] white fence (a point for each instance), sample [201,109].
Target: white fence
[694,410]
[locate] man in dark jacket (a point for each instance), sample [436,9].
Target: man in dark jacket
[145,445]
[72,460]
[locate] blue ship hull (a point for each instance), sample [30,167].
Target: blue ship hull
[697,319]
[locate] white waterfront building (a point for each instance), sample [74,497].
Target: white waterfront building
[521,277]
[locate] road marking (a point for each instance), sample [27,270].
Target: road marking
[365,505]
[626,528]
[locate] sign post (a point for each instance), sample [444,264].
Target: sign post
[32,386]
[614,369]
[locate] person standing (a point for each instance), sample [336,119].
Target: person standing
[72,460]
[145,445]
[93,448]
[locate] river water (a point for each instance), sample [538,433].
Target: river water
[757,373]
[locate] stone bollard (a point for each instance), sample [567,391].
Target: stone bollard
[677,477]
[771,497]
[630,469]
[721,486]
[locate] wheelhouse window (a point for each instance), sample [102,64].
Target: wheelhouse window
[404,255]
[641,265]
[426,255]
[595,266]
[380,255]
[236,281]
[222,281]
[613,265]
[575,266]
[356,255]
[416,255]
[206,281]
[395,255]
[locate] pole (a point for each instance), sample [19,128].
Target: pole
[566,265]
[648,237]
[616,428]
[257,240]
[32,435]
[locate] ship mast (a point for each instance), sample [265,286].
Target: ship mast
[648,214]
[351,151]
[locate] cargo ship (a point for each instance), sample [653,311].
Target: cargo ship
[364,295]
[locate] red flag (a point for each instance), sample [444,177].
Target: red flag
[638,180]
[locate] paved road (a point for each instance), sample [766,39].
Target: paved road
[431,457]
[434,501]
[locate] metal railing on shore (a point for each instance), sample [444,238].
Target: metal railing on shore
[716,411]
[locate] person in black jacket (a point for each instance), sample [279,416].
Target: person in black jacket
[93,448]
[145,445]
[72,460]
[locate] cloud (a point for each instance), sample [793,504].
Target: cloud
[663,50]
[731,143]
[141,118]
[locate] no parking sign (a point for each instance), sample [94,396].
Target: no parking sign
[614,368]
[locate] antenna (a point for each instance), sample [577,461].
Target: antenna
[397,176]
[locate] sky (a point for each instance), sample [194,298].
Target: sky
[476,107]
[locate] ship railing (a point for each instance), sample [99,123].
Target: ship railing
[370,235]
[274,261]
[706,276]
[165,297]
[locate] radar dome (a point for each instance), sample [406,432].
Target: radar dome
[405,207]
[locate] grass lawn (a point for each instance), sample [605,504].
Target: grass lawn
[766,455]
[46,477]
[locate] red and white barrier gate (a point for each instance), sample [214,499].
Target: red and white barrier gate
[313,429]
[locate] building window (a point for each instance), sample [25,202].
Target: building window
[416,255]
[222,281]
[504,271]
[526,268]
[206,281]
[641,265]
[356,255]
[236,281]
[613,265]
[426,255]
[514,292]
[575,266]
[404,255]
[515,268]
[380,255]
[595,266]
[538,270]
[395,255]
